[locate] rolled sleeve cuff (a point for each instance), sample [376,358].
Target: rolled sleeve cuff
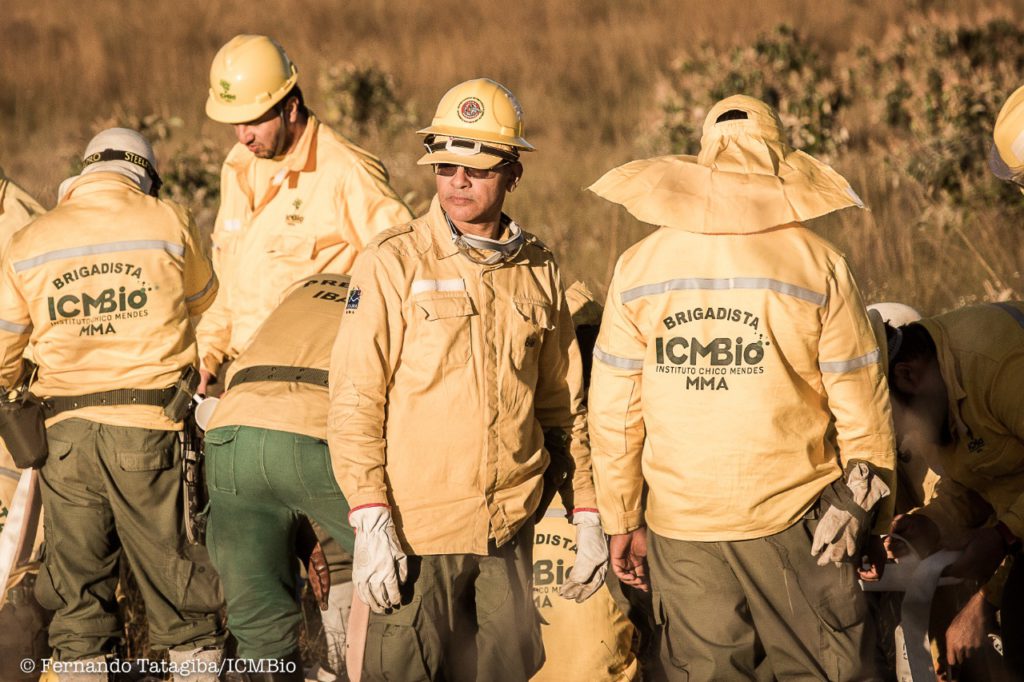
[367,499]
[620,523]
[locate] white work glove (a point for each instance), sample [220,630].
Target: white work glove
[587,574]
[839,530]
[377,552]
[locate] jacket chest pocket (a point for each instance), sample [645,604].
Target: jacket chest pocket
[994,457]
[443,330]
[532,319]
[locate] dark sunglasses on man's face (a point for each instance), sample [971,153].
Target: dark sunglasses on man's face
[449,169]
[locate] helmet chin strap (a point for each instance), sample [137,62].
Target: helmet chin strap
[494,251]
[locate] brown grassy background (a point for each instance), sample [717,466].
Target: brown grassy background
[588,72]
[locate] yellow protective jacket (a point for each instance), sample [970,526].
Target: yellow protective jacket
[721,360]
[299,333]
[104,286]
[981,356]
[284,219]
[17,209]
[444,376]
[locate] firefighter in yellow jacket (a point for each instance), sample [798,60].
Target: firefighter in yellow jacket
[456,354]
[296,198]
[731,338]
[955,381]
[267,462]
[104,286]
[22,620]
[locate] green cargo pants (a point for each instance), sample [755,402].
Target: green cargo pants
[716,599]
[463,617]
[261,483]
[113,489]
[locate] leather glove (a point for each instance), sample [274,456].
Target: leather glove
[319,574]
[587,574]
[379,565]
[839,530]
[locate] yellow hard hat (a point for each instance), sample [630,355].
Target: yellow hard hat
[248,76]
[478,123]
[1007,158]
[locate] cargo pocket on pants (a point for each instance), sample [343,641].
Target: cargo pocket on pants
[398,654]
[198,588]
[220,459]
[46,589]
[147,450]
[662,620]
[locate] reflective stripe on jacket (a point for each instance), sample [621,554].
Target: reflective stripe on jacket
[282,220]
[104,286]
[721,361]
[444,375]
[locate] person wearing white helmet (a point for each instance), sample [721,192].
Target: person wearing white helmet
[104,287]
[456,412]
[955,386]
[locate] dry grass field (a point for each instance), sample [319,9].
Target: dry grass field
[593,76]
[899,96]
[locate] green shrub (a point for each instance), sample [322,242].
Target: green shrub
[362,99]
[782,68]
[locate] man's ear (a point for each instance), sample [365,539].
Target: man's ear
[515,176]
[291,109]
[906,376]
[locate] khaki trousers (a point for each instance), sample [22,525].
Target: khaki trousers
[463,617]
[109,490]
[720,601]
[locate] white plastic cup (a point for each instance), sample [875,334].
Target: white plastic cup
[204,411]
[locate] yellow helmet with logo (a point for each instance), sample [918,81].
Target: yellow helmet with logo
[481,111]
[249,75]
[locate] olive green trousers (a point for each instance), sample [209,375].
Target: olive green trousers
[720,602]
[110,491]
[262,483]
[463,617]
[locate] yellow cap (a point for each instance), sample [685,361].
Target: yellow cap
[745,179]
[249,75]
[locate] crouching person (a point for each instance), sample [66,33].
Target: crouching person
[103,286]
[267,466]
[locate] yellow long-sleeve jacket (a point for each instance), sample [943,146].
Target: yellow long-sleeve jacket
[299,333]
[104,286]
[981,356]
[720,362]
[17,209]
[444,376]
[281,220]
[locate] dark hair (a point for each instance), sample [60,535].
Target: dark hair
[732,115]
[906,344]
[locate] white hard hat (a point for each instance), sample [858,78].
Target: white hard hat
[896,314]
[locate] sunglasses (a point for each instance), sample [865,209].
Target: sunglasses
[449,169]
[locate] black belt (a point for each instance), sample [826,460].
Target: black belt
[303,375]
[158,397]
